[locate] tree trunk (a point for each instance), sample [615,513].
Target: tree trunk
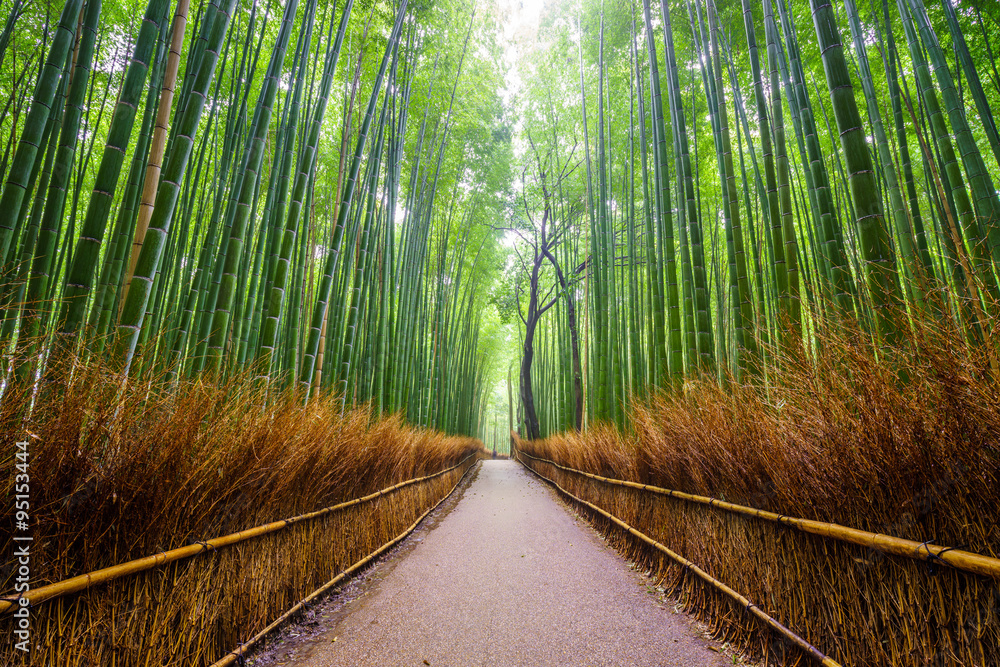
[527,396]
[574,343]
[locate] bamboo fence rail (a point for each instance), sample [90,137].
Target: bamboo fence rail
[84,581]
[956,558]
[861,597]
[195,610]
[238,653]
[806,647]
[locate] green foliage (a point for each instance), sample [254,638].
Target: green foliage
[410,286]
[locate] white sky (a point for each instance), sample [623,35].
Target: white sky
[520,26]
[519,20]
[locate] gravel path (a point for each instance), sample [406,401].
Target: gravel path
[508,577]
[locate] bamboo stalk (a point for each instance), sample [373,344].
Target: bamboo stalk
[16,188]
[159,142]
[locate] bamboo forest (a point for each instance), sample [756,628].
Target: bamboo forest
[715,283]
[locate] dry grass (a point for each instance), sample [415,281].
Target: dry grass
[842,439]
[119,474]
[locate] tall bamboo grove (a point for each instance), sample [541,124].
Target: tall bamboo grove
[280,190]
[746,173]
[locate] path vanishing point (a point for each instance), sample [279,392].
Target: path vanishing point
[507,576]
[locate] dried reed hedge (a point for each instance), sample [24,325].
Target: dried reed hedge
[902,442]
[122,473]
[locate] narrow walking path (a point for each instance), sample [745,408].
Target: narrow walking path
[510,577]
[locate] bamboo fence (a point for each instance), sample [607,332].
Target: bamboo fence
[862,598]
[709,579]
[193,604]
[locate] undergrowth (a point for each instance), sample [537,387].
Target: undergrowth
[124,471]
[903,441]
